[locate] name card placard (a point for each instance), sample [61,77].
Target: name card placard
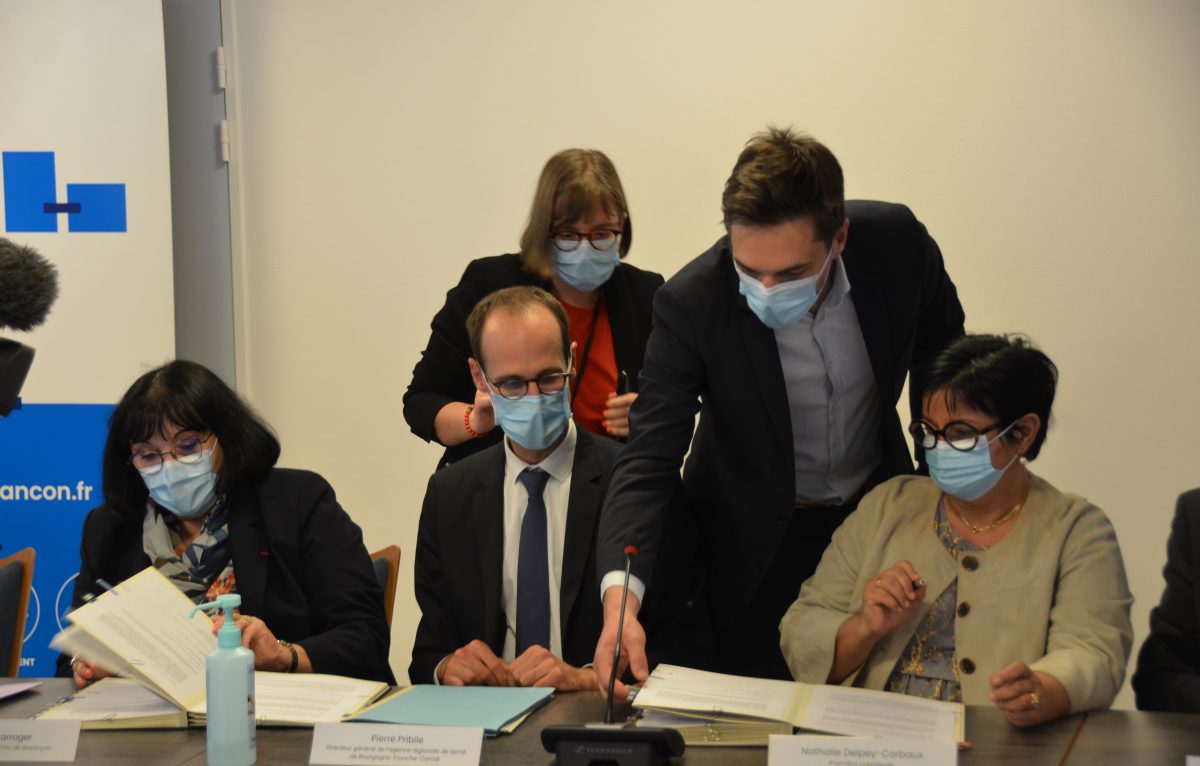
[47,741]
[353,744]
[804,750]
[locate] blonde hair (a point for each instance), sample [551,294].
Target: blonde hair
[571,183]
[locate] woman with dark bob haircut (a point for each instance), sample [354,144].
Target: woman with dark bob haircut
[574,246]
[980,583]
[191,488]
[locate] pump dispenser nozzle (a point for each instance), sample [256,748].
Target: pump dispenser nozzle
[229,635]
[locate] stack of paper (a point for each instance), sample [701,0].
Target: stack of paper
[716,709]
[142,630]
[117,703]
[497,710]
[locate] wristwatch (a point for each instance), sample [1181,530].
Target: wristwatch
[295,656]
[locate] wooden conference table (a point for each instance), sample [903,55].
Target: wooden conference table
[1107,737]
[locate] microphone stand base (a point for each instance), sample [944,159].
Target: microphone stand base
[598,746]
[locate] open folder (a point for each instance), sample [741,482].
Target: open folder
[497,710]
[143,631]
[717,709]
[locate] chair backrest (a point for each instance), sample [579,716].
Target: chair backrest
[387,569]
[16,580]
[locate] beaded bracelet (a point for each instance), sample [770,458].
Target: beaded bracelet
[467,423]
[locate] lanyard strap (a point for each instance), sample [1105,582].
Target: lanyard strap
[587,347]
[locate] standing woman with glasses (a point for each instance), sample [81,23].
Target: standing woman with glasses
[191,488]
[578,234]
[981,583]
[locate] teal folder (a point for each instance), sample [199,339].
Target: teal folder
[498,710]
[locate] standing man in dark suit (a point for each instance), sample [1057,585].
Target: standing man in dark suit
[506,564]
[1168,669]
[792,336]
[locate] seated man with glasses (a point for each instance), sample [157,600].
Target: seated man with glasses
[981,583]
[505,563]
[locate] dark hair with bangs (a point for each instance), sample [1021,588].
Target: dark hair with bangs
[782,175]
[571,183]
[1003,376]
[192,397]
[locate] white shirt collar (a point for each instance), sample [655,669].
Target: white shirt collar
[558,463]
[841,283]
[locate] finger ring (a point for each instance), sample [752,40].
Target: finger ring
[1035,700]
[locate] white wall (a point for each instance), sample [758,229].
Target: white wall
[1049,147]
[88,83]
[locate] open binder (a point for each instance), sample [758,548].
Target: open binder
[142,630]
[717,709]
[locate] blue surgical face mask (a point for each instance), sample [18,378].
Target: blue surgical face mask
[586,268]
[535,420]
[187,490]
[786,303]
[967,475]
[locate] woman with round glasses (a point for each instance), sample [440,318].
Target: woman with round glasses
[191,488]
[578,234]
[981,583]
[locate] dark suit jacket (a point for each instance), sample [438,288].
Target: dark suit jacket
[708,345]
[300,566]
[442,375]
[459,562]
[1168,669]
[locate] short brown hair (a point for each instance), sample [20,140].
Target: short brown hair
[571,182]
[516,300]
[782,175]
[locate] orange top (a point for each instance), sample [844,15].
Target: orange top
[590,391]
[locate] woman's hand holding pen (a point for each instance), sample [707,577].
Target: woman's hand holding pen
[890,598]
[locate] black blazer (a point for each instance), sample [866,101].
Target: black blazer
[459,568]
[708,345]
[1168,669]
[442,375]
[300,566]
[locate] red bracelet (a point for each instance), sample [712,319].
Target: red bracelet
[467,422]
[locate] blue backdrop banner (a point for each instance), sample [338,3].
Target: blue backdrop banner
[49,480]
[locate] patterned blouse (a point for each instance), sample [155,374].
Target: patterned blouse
[926,667]
[202,569]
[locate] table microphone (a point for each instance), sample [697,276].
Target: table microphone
[608,744]
[630,551]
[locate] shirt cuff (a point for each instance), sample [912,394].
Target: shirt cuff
[616,578]
[438,667]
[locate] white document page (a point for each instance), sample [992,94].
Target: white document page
[678,688]
[111,699]
[75,641]
[844,710]
[145,621]
[310,698]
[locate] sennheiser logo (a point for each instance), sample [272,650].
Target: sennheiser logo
[603,750]
[31,201]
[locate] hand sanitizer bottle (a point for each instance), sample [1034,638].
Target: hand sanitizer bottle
[229,687]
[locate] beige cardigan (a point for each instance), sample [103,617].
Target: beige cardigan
[1051,594]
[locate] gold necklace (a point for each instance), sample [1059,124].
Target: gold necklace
[999,522]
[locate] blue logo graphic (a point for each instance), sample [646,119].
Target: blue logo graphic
[43,501]
[31,198]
